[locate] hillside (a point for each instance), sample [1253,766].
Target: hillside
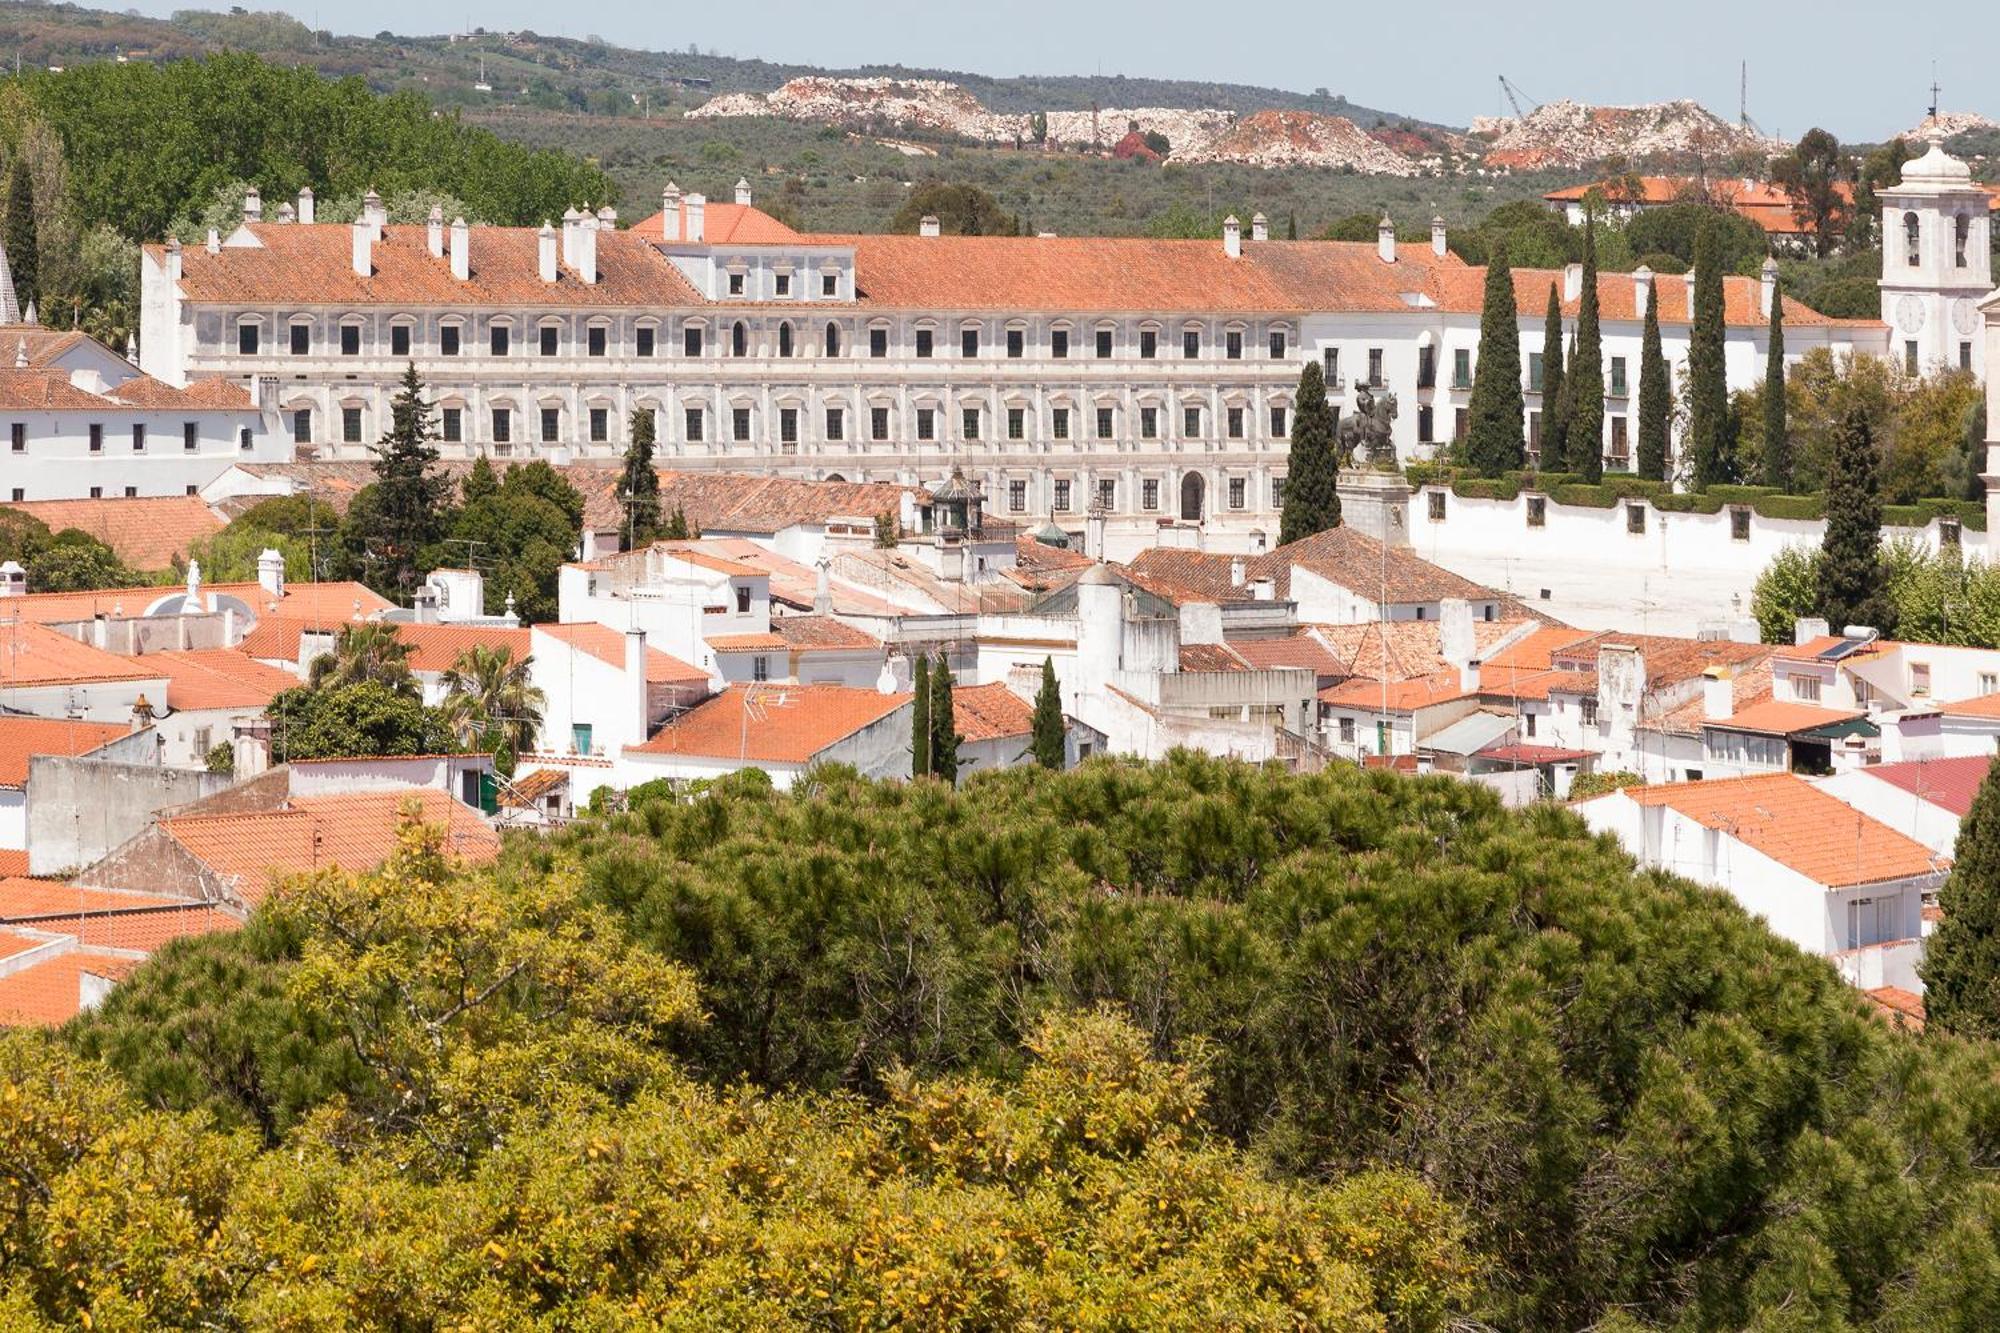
[1563,133]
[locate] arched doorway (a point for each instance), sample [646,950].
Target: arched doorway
[1191,497]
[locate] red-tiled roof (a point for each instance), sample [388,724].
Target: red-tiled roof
[726,224]
[1947,783]
[438,647]
[1533,754]
[821,634]
[1210,657]
[320,603]
[1904,1008]
[49,993]
[745,643]
[990,712]
[779,724]
[1398,696]
[1777,717]
[21,738]
[1798,825]
[738,502]
[216,678]
[608,645]
[13,862]
[107,918]
[1984,706]
[32,654]
[531,787]
[1298,649]
[146,532]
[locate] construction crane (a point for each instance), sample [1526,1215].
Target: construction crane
[1743,104]
[1514,93]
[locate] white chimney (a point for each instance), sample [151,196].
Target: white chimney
[694,215]
[364,247]
[1572,282]
[434,232]
[1232,237]
[13,579]
[1437,236]
[1260,228]
[1642,290]
[545,253]
[607,218]
[1385,240]
[569,230]
[253,205]
[271,572]
[743,192]
[214,241]
[461,249]
[1807,628]
[635,683]
[1236,573]
[823,589]
[1468,676]
[285,212]
[305,203]
[1262,590]
[670,212]
[929,225]
[1718,694]
[374,212]
[586,248]
[173,258]
[1770,286]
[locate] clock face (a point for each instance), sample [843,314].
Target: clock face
[1909,314]
[1965,315]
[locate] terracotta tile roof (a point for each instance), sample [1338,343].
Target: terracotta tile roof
[1536,685]
[147,532]
[1463,292]
[1403,696]
[13,862]
[1749,687]
[32,654]
[1533,754]
[1402,648]
[1776,717]
[1210,657]
[728,224]
[322,603]
[275,639]
[1762,202]
[1798,825]
[990,712]
[438,647]
[1983,706]
[821,634]
[21,738]
[777,724]
[1034,555]
[1903,1008]
[1297,649]
[1947,783]
[45,346]
[530,788]
[745,643]
[608,645]
[356,830]
[710,556]
[1669,659]
[1342,556]
[744,503]
[1535,651]
[107,918]
[1811,650]
[216,678]
[143,391]
[48,993]
[922,589]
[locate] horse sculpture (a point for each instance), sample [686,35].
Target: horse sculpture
[1365,434]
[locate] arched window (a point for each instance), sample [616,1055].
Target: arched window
[739,340]
[785,339]
[833,340]
[1912,234]
[1191,497]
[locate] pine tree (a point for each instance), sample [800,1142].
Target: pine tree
[1777,437]
[22,248]
[1708,387]
[1048,729]
[920,718]
[639,484]
[1554,428]
[1850,567]
[1312,494]
[1961,967]
[410,494]
[1583,424]
[944,725]
[1656,393]
[1495,441]
[1292,227]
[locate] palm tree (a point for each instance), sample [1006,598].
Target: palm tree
[369,651]
[491,701]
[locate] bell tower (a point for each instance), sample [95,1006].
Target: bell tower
[1936,265]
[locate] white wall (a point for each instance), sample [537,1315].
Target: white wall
[1906,812]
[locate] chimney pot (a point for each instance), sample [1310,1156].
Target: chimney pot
[373,212]
[1236,573]
[1232,237]
[1642,290]
[286,213]
[586,247]
[461,252]
[545,253]
[929,225]
[670,212]
[214,241]
[434,232]
[253,205]
[635,683]
[1385,240]
[694,219]
[1437,236]
[1768,288]
[306,203]
[174,258]
[1260,228]
[743,191]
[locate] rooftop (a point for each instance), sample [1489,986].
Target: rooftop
[990,713]
[32,654]
[1947,783]
[216,678]
[779,724]
[608,645]
[22,738]
[146,532]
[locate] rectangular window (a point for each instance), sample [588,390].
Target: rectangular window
[742,598]
[760,668]
[1460,423]
[19,432]
[131,492]
[302,426]
[1149,344]
[926,423]
[1427,367]
[1739,525]
[784,284]
[497,339]
[1017,497]
[548,335]
[1426,424]
[878,343]
[1965,356]
[246,339]
[1277,344]
[350,425]
[923,343]
[1920,679]
[736,284]
[1331,358]
[1805,689]
[1374,367]
[448,340]
[739,423]
[1107,493]
[836,424]
[503,425]
[399,340]
[1149,494]
[1538,511]
[969,420]
[551,424]
[878,423]
[1232,345]
[1017,344]
[1635,519]
[1277,492]
[96,437]
[1062,497]
[97,492]
[1104,344]
[829,284]
[1587,706]
[138,436]
[1534,372]
[1190,422]
[1059,423]
[452,424]
[1017,423]
[1617,377]
[1534,432]
[301,339]
[600,425]
[1910,363]
[1618,445]
[1234,418]
[1238,492]
[1104,419]
[1435,505]
[788,425]
[1059,344]
[968,343]
[1190,344]
[1347,731]
[1149,423]
[190,436]
[594,338]
[350,340]
[1277,423]
[1461,366]
[1989,682]
[642,339]
[691,340]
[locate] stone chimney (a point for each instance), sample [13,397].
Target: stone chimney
[271,572]
[1260,228]
[305,203]
[743,192]
[1718,694]
[545,253]
[253,205]
[13,579]
[635,684]
[607,218]
[461,250]
[569,230]
[364,247]
[1437,236]
[1232,237]
[1572,283]
[929,225]
[214,241]
[434,232]
[173,259]
[1385,240]
[586,248]
[1236,573]
[286,213]
[142,713]
[670,212]
[1642,290]
[1768,291]
[1457,641]
[373,211]
[1807,628]
[694,219]
[823,588]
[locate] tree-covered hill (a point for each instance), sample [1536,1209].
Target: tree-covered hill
[1641,1107]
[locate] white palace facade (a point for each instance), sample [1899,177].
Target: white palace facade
[1149,380]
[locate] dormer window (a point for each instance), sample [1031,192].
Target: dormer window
[1912,236]
[829,284]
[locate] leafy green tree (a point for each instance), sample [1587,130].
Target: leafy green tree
[370,651]
[1495,440]
[1786,592]
[961,210]
[231,555]
[1816,176]
[920,717]
[1741,244]
[1555,431]
[74,561]
[481,482]
[1850,567]
[361,719]
[1708,392]
[519,538]
[1961,967]
[639,484]
[221,758]
[22,249]
[1656,394]
[1777,441]
[1355,227]
[491,701]
[1050,729]
[1584,422]
[1312,495]
[943,723]
[410,493]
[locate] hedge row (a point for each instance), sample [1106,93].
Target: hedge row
[1766,501]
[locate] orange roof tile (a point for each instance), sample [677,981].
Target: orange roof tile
[1210,657]
[107,918]
[531,787]
[1511,684]
[821,634]
[13,862]
[1982,706]
[608,645]
[778,724]
[741,502]
[216,678]
[1398,696]
[728,224]
[1298,649]
[49,993]
[320,603]
[745,643]
[438,647]
[1798,825]
[1903,1008]
[146,532]
[32,654]
[1776,717]
[990,713]
[1535,650]
[1749,687]
[22,738]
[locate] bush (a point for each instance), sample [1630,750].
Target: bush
[1586,785]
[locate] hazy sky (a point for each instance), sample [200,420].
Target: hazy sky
[1829,63]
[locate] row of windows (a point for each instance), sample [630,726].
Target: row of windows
[19,493]
[190,437]
[1063,493]
[1617,386]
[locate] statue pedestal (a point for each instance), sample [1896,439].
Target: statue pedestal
[1376,503]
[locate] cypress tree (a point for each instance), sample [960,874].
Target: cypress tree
[1048,729]
[1708,388]
[1495,440]
[409,493]
[1777,440]
[1656,393]
[1583,423]
[1565,411]
[481,483]
[1554,428]
[1850,567]
[676,528]
[920,718]
[22,247]
[944,728]
[1312,494]
[1961,967]
[639,484]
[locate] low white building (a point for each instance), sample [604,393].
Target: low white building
[1924,799]
[783,730]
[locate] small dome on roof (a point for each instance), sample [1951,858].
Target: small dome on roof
[1098,576]
[1936,167]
